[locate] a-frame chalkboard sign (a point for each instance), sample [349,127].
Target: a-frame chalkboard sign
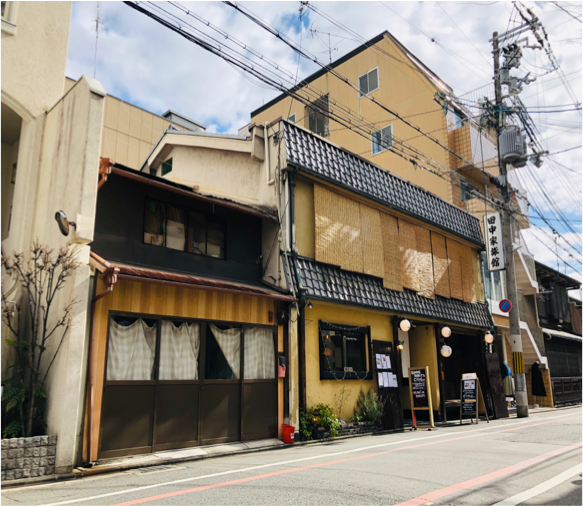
[420,391]
[470,389]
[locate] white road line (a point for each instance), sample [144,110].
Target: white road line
[286,462]
[542,487]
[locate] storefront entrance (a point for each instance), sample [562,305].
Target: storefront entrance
[176,383]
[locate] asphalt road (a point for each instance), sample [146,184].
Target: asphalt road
[506,462]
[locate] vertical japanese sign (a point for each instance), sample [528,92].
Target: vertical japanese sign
[494,242]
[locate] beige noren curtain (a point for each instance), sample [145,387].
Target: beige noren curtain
[179,348]
[131,351]
[230,343]
[259,353]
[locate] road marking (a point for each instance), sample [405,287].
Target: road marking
[304,459]
[542,487]
[480,480]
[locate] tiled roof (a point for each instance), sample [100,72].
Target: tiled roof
[315,156]
[327,282]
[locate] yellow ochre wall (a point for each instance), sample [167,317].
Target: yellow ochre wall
[330,391]
[157,299]
[403,89]
[423,353]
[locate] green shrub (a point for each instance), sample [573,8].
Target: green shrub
[370,406]
[357,417]
[320,415]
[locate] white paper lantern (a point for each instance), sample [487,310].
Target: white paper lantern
[405,325]
[445,331]
[446,351]
[489,338]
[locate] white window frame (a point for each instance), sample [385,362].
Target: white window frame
[289,118]
[362,95]
[9,18]
[382,148]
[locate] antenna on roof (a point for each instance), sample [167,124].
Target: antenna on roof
[97,19]
[331,47]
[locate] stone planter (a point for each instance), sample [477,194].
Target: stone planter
[28,457]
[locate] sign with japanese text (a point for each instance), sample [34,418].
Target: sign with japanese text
[494,242]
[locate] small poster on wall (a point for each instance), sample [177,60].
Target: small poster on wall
[379,361]
[381,381]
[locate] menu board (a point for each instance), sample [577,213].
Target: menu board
[469,396]
[419,388]
[386,378]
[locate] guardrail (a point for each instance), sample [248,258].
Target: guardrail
[566,391]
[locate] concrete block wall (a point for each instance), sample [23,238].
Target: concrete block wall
[28,457]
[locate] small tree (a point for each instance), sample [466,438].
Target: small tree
[33,327]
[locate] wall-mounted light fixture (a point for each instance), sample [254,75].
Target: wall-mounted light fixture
[64,223]
[489,338]
[445,331]
[310,305]
[446,351]
[400,345]
[405,325]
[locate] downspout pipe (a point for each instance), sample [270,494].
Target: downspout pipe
[109,276]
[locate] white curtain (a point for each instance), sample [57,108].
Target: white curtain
[130,356]
[259,353]
[230,343]
[179,347]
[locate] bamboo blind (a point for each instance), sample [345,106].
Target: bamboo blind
[391,253]
[468,280]
[424,263]
[440,265]
[455,268]
[408,248]
[372,242]
[338,230]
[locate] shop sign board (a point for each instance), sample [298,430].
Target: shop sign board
[494,242]
[420,391]
[388,384]
[470,389]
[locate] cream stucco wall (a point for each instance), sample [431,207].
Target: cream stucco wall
[34,58]
[402,89]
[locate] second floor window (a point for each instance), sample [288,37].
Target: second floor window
[368,83]
[176,228]
[382,139]
[317,114]
[468,191]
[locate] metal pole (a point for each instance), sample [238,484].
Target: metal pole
[515,336]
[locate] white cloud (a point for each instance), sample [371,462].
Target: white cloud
[151,66]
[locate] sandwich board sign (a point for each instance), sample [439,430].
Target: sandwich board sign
[470,389]
[420,391]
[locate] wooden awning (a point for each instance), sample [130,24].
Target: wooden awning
[137,273]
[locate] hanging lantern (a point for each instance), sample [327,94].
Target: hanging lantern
[489,338]
[446,351]
[445,331]
[405,325]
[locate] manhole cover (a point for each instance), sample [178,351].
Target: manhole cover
[155,469]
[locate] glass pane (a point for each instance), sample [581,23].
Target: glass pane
[373,80]
[175,229]
[223,352]
[376,142]
[167,167]
[154,221]
[131,349]
[259,353]
[387,137]
[355,352]
[197,233]
[216,240]
[179,349]
[363,85]
[332,350]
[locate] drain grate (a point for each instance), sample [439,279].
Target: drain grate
[155,469]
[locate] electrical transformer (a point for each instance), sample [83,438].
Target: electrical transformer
[513,146]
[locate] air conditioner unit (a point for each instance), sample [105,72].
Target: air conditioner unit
[513,146]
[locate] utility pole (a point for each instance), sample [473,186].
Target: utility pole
[515,336]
